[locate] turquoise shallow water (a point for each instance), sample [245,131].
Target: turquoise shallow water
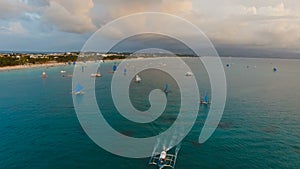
[260,127]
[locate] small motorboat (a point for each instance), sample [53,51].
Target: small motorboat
[62,71]
[95,75]
[189,74]
[44,75]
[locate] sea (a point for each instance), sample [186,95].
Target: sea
[260,126]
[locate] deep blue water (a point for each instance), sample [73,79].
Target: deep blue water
[260,127]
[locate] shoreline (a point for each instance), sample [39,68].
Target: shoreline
[32,66]
[21,67]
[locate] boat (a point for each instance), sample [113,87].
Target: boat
[44,75]
[125,71]
[98,74]
[189,74]
[206,99]
[95,75]
[137,79]
[164,159]
[62,71]
[166,88]
[114,67]
[78,89]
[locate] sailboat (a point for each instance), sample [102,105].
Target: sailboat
[96,74]
[125,71]
[78,89]
[137,79]
[206,99]
[167,88]
[114,67]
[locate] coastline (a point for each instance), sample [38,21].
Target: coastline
[32,66]
[19,67]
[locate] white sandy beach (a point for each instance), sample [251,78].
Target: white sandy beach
[18,67]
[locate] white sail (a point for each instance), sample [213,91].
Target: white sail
[137,78]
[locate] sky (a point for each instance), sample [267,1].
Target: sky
[257,28]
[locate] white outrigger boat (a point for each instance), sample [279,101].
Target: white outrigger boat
[163,159]
[95,75]
[98,74]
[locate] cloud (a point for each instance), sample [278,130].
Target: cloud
[105,11]
[38,3]
[108,10]
[261,24]
[69,15]
[13,28]
[244,10]
[12,8]
[281,34]
[31,16]
[176,6]
[269,24]
[277,10]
